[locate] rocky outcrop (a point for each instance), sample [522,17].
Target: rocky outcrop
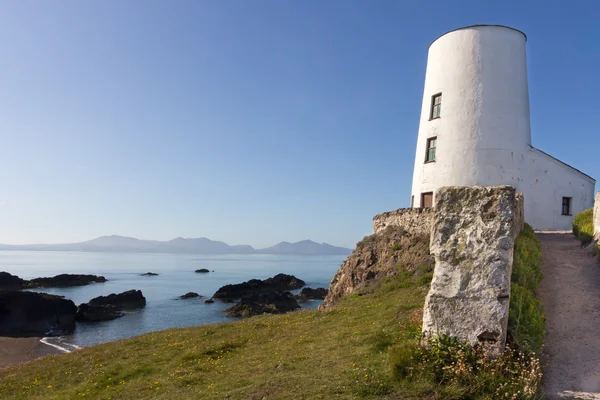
[9,282]
[202,271]
[376,257]
[279,282]
[189,295]
[472,241]
[23,313]
[149,274]
[597,218]
[209,301]
[130,299]
[308,294]
[65,280]
[414,220]
[94,312]
[264,303]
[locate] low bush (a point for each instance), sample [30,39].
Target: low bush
[467,373]
[583,226]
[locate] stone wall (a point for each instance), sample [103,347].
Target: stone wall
[414,220]
[597,218]
[472,241]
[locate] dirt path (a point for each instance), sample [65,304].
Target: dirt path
[570,291]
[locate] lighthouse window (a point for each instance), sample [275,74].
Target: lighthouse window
[430,155]
[436,106]
[566,206]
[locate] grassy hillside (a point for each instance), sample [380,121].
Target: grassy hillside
[365,347]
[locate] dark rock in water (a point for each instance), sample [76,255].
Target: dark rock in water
[35,313]
[279,282]
[189,295]
[209,301]
[264,303]
[10,282]
[123,301]
[311,294]
[202,270]
[149,274]
[94,313]
[65,280]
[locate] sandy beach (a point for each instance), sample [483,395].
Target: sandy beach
[19,350]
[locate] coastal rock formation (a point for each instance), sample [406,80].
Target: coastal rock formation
[279,282]
[10,282]
[35,313]
[65,280]
[94,313]
[380,255]
[202,271]
[264,303]
[189,295]
[414,220]
[472,241]
[130,299]
[311,294]
[209,301]
[149,274]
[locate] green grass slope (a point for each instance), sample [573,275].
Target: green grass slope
[365,347]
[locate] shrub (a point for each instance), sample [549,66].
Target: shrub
[583,226]
[467,371]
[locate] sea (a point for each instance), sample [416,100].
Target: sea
[176,277]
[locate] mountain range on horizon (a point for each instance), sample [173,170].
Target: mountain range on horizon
[123,244]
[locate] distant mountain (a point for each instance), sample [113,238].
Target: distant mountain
[305,247]
[123,244]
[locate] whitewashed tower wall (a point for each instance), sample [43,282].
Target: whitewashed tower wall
[483,133]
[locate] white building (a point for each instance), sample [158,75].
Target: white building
[475,130]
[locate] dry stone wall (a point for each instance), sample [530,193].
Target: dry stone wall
[414,220]
[472,241]
[597,218]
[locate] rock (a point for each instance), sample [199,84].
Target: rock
[209,301]
[311,294]
[189,295]
[94,313]
[202,270]
[35,313]
[149,274]
[376,257]
[65,280]
[264,303]
[10,282]
[123,301]
[279,282]
[472,241]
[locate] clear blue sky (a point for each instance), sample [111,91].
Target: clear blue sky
[251,121]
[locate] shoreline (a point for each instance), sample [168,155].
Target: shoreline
[18,350]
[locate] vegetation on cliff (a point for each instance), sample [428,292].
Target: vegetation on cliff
[583,226]
[366,346]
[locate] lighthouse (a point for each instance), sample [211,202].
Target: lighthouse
[475,128]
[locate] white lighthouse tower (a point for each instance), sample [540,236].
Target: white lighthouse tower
[475,128]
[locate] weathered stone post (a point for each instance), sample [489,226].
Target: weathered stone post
[597,218]
[472,240]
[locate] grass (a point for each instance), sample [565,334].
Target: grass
[366,347]
[583,226]
[526,320]
[339,354]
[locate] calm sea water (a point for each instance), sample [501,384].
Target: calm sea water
[176,277]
